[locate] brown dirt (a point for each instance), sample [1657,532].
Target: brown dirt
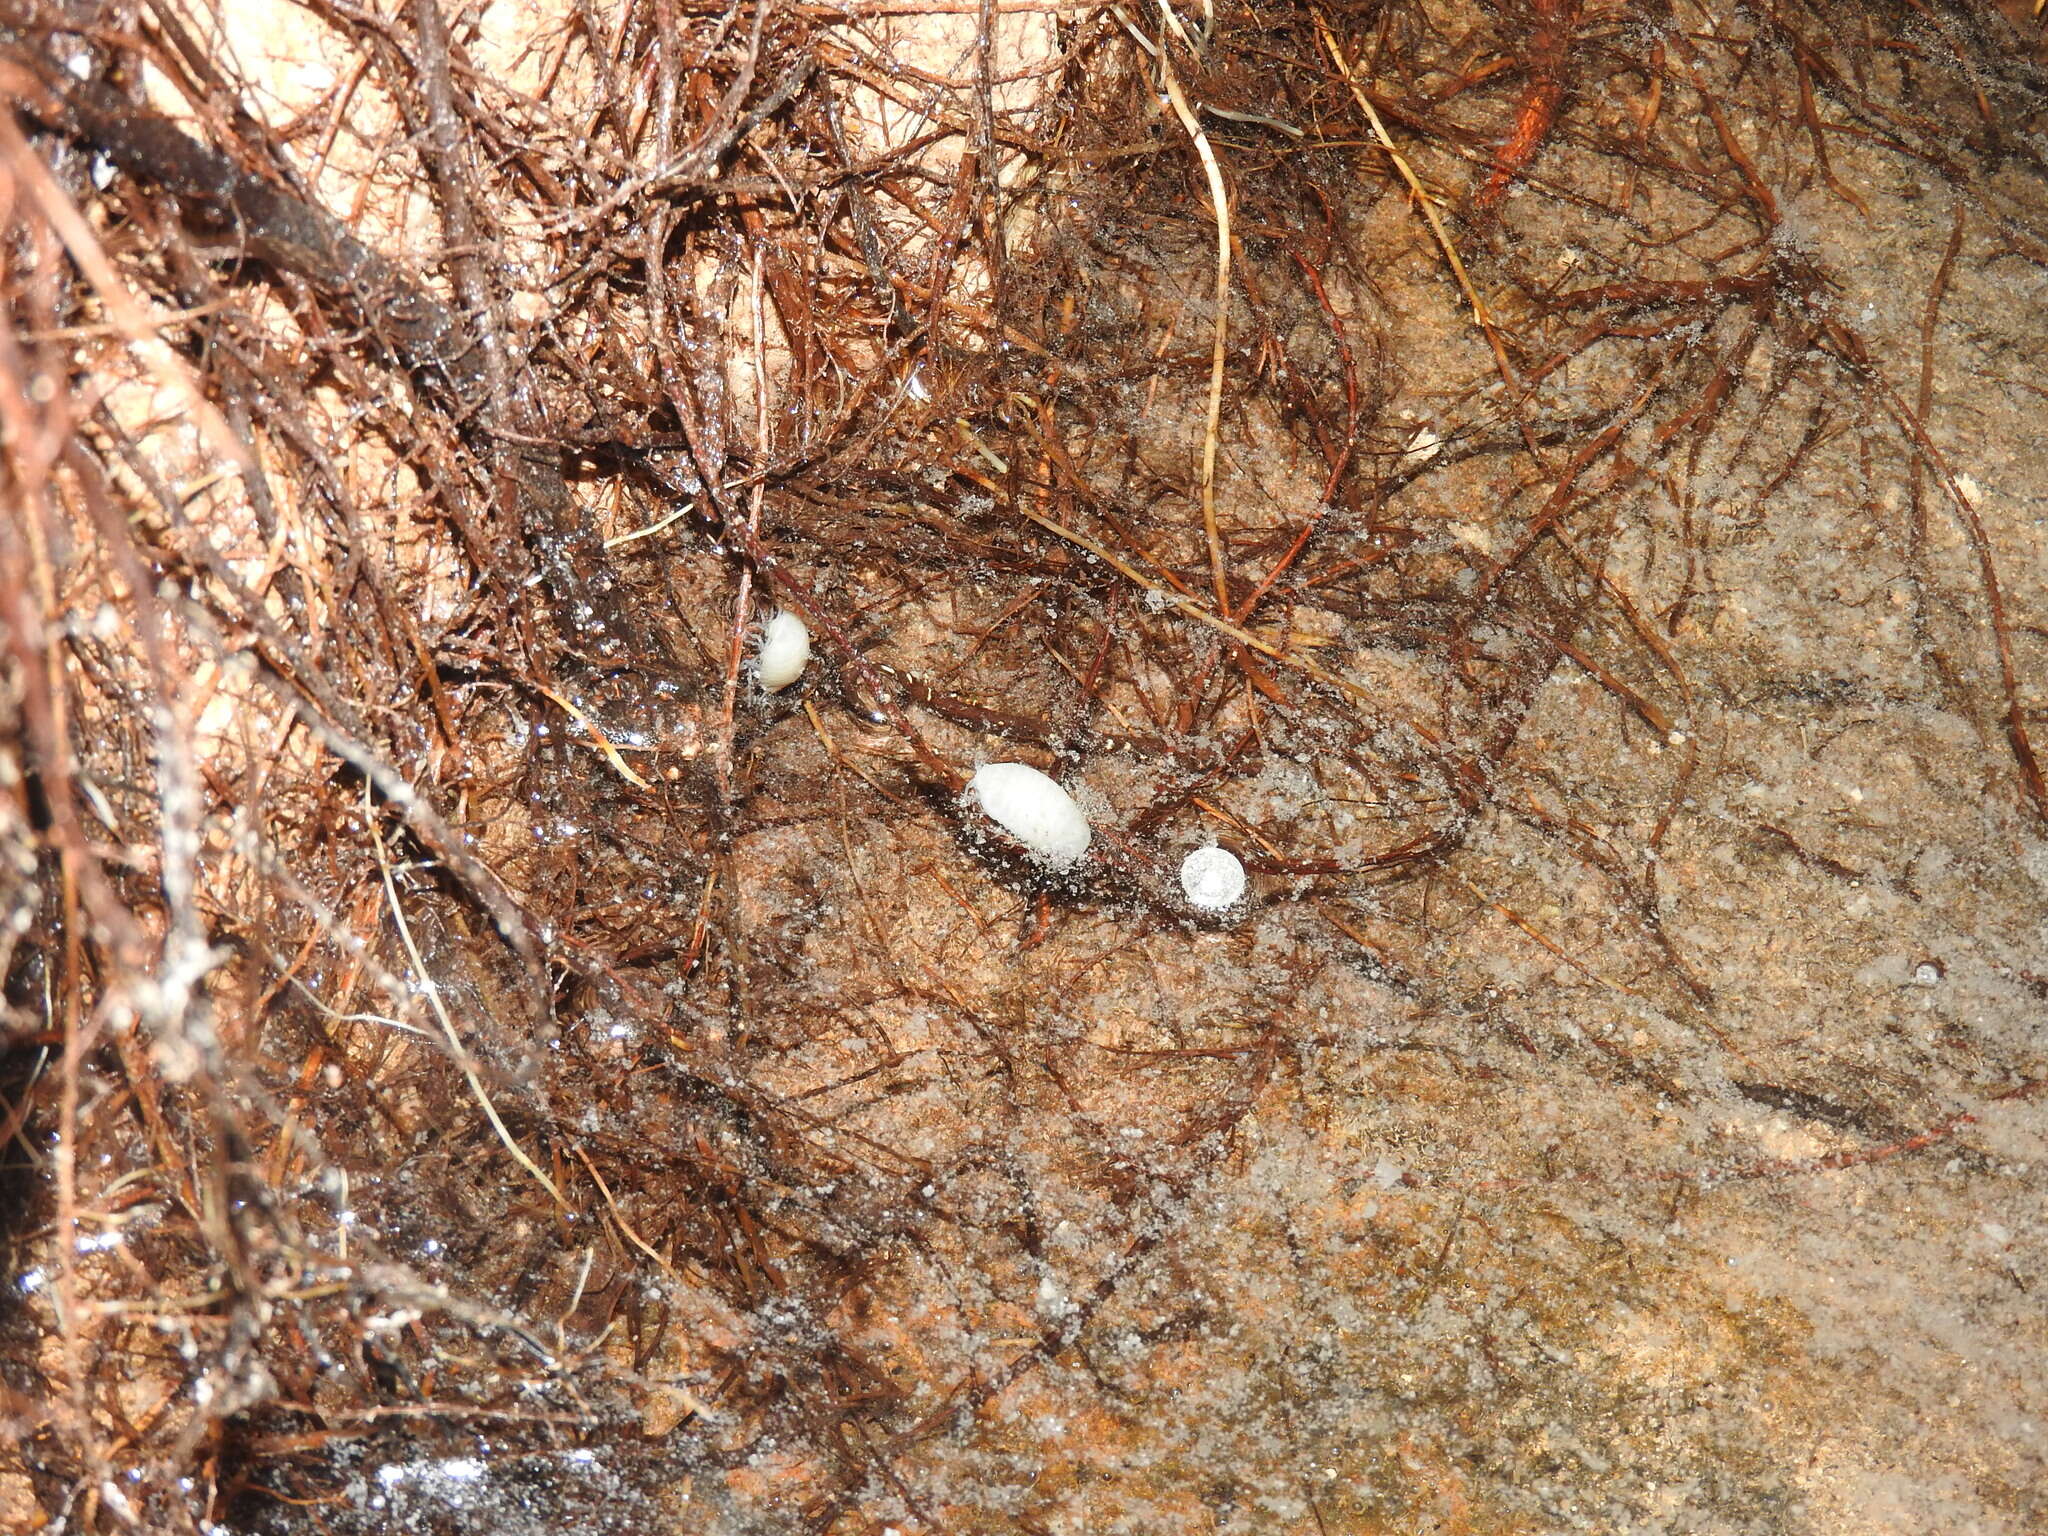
[457,1083]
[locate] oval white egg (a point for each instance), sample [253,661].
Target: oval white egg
[1212,878]
[785,648]
[1034,810]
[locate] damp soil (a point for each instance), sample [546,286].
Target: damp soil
[475,1063]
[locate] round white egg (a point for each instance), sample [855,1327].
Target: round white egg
[785,648]
[1212,878]
[1034,810]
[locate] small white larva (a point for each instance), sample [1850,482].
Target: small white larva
[1212,878]
[1034,810]
[785,648]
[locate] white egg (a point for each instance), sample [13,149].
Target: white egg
[785,647]
[1034,810]
[1212,878]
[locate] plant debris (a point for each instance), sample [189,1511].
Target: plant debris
[1540,481]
